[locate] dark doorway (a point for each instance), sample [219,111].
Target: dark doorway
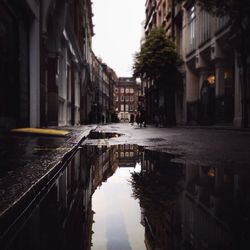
[9,87]
[207,103]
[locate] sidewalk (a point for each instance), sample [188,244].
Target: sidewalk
[28,162]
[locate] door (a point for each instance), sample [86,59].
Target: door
[8,69]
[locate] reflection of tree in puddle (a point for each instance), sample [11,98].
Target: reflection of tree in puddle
[156,192]
[157,187]
[192,207]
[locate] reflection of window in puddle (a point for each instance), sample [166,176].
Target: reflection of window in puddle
[211,172]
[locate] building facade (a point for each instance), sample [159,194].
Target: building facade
[161,100]
[126,98]
[66,38]
[45,62]
[210,91]
[212,73]
[104,81]
[19,63]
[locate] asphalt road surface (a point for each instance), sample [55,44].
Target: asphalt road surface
[206,147]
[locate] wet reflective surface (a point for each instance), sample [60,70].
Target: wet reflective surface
[129,197]
[117,215]
[95,134]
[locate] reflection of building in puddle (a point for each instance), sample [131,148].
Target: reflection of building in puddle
[159,180]
[104,165]
[107,159]
[57,217]
[214,200]
[209,211]
[127,155]
[183,207]
[61,215]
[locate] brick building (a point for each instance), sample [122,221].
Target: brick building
[126,98]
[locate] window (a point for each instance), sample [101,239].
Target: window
[122,90]
[122,107]
[205,26]
[126,106]
[127,98]
[131,91]
[127,90]
[191,25]
[116,98]
[131,107]
[131,98]
[122,97]
[116,90]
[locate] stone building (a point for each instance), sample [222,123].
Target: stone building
[104,80]
[126,98]
[210,91]
[19,64]
[66,37]
[45,73]
[211,69]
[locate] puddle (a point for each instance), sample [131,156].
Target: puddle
[129,197]
[102,135]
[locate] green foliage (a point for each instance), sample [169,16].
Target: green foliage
[157,57]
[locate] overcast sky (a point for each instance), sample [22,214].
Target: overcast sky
[118,30]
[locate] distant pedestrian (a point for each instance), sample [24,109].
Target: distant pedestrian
[132,119]
[137,118]
[142,119]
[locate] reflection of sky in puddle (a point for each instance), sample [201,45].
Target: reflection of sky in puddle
[117,214]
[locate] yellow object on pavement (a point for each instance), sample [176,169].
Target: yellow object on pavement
[43,131]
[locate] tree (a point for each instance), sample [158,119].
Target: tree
[239,37]
[158,62]
[157,58]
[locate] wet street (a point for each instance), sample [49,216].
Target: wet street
[128,188]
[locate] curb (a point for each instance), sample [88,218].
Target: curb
[13,216]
